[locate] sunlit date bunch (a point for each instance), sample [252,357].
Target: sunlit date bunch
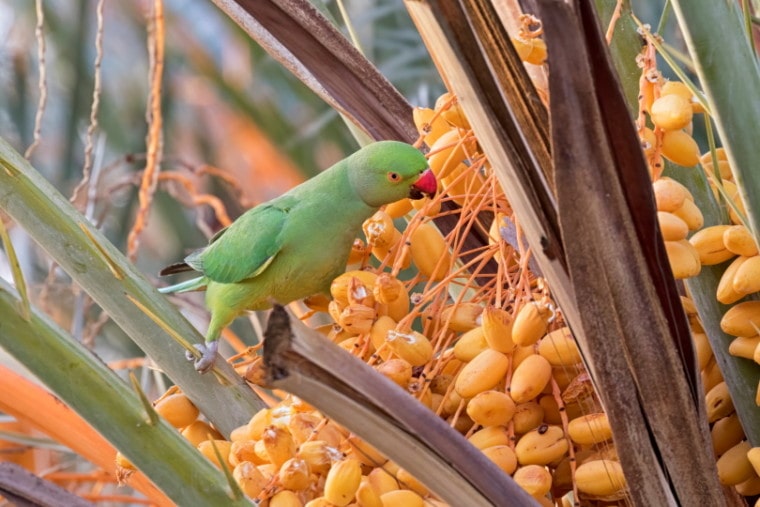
[671,117]
[669,107]
[738,464]
[507,376]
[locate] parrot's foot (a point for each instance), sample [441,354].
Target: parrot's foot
[208,356]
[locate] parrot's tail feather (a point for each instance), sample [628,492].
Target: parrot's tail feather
[179,267]
[187,286]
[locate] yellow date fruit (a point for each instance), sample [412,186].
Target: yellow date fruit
[527,416]
[429,123]
[709,244]
[343,481]
[482,373]
[503,456]
[450,150]
[531,323]
[497,328]
[249,478]
[222,446]
[491,408]
[747,276]
[726,433]
[402,498]
[530,378]
[590,429]
[683,259]
[413,347]
[718,402]
[671,112]
[602,478]
[672,227]
[691,214]
[559,348]
[680,148]
[430,253]
[541,446]
[530,50]
[489,437]
[740,241]
[177,409]
[534,479]
[470,344]
[734,466]
[742,319]
[744,346]
[725,292]
[669,195]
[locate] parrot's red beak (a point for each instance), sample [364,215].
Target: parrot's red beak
[426,185]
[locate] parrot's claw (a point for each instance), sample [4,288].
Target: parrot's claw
[208,356]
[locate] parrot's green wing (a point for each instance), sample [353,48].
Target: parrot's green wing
[245,248]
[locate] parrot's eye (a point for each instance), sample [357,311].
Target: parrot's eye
[393,177]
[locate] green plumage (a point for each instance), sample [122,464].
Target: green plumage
[295,245]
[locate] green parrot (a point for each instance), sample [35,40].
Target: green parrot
[293,246]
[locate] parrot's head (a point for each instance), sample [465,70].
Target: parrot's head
[388,171]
